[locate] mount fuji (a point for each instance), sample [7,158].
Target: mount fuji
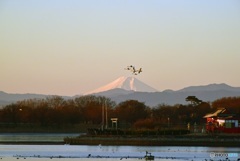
[129,84]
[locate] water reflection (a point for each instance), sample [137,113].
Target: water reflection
[8,137]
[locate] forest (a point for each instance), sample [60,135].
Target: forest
[56,111]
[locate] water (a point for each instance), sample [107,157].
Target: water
[52,137]
[169,153]
[109,153]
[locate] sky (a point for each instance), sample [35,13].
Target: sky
[69,47]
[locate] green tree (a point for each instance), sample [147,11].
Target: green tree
[194,100]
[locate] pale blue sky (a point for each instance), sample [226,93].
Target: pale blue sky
[68,47]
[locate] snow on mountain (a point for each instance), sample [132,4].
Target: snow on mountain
[126,83]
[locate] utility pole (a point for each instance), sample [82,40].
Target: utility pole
[106,115]
[102,116]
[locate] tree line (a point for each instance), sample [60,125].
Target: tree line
[55,110]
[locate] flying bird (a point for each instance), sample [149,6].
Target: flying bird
[134,70]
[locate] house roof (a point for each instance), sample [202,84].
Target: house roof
[216,113]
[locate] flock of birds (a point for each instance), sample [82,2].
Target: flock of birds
[126,157]
[89,156]
[134,70]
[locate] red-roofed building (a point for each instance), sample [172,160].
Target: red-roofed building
[222,122]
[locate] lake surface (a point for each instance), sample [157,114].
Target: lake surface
[53,137]
[109,153]
[118,152]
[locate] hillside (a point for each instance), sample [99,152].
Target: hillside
[125,88]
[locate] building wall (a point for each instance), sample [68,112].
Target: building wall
[222,126]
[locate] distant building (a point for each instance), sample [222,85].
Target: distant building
[222,122]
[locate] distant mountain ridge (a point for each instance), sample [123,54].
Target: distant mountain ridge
[207,93]
[126,88]
[210,87]
[176,97]
[8,98]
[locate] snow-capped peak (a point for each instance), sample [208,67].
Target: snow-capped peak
[126,83]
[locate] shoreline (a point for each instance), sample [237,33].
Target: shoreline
[220,140]
[194,139]
[140,143]
[120,141]
[32,143]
